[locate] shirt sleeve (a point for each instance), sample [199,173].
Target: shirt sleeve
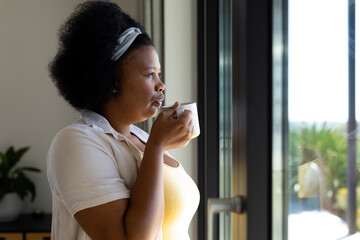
[82,171]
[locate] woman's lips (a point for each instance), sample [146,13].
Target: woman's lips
[158,103]
[158,100]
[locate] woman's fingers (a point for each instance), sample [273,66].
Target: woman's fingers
[171,131]
[192,128]
[185,117]
[186,120]
[170,112]
[176,105]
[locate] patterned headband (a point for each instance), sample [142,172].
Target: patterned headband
[124,42]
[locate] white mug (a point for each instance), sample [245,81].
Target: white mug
[195,118]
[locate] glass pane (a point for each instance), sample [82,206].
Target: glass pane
[316,193]
[280,122]
[225,114]
[317,134]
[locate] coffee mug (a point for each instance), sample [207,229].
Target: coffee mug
[195,118]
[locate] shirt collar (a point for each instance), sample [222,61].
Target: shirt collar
[99,122]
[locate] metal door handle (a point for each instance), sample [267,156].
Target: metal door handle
[217,205]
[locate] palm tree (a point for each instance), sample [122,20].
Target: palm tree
[327,144]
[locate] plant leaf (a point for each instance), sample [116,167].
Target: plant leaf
[31,169]
[18,182]
[10,152]
[3,165]
[19,186]
[23,186]
[30,187]
[15,156]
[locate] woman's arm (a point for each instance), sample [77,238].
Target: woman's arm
[140,217]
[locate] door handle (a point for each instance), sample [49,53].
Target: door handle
[217,205]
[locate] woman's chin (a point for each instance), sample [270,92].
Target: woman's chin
[151,114]
[154,113]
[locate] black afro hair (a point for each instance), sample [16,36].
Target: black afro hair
[82,69]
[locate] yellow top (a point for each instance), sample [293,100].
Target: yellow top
[181,201]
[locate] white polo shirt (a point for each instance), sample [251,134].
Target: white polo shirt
[89,164]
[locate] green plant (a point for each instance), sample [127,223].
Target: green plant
[326,143]
[15,180]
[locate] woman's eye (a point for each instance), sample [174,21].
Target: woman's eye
[150,75]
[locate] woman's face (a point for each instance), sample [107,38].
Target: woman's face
[141,90]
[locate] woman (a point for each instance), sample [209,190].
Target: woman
[109,179]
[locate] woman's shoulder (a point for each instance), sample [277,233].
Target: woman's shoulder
[74,129]
[79,139]
[77,133]
[139,133]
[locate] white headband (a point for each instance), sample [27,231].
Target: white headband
[124,42]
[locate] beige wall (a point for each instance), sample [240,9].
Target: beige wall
[181,72]
[31,111]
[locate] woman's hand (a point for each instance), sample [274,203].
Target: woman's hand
[170,131]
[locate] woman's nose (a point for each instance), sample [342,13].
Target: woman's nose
[160,86]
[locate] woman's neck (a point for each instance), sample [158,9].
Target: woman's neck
[116,120]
